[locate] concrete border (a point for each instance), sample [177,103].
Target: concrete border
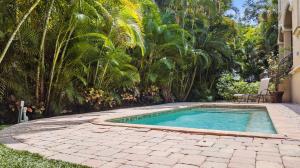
[278,119]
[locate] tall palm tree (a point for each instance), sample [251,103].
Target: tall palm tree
[3,53]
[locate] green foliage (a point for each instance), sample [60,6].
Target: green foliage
[228,86]
[97,99]
[12,158]
[257,38]
[123,47]
[151,95]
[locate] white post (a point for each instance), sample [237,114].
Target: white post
[21,111]
[25,118]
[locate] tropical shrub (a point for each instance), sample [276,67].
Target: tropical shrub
[151,95]
[228,85]
[130,96]
[97,99]
[9,111]
[170,50]
[111,100]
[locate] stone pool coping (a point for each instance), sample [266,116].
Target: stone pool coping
[282,123]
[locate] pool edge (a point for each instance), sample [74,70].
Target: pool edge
[107,122]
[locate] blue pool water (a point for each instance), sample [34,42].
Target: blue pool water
[245,120]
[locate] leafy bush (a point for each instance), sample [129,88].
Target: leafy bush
[129,96]
[228,86]
[151,95]
[98,99]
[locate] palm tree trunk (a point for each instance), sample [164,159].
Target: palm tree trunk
[64,42]
[98,62]
[58,47]
[96,73]
[17,29]
[191,84]
[60,66]
[104,73]
[39,77]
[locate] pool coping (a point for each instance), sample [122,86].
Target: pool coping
[274,113]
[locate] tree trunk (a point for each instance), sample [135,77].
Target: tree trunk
[41,66]
[191,84]
[17,29]
[60,66]
[64,43]
[104,73]
[58,47]
[96,73]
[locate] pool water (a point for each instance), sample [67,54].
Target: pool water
[228,119]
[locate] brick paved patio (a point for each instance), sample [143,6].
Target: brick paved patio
[75,139]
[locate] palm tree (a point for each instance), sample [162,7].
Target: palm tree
[17,29]
[39,90]
[105,35]
[63,48]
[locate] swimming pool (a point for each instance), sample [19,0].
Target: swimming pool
[228,119]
